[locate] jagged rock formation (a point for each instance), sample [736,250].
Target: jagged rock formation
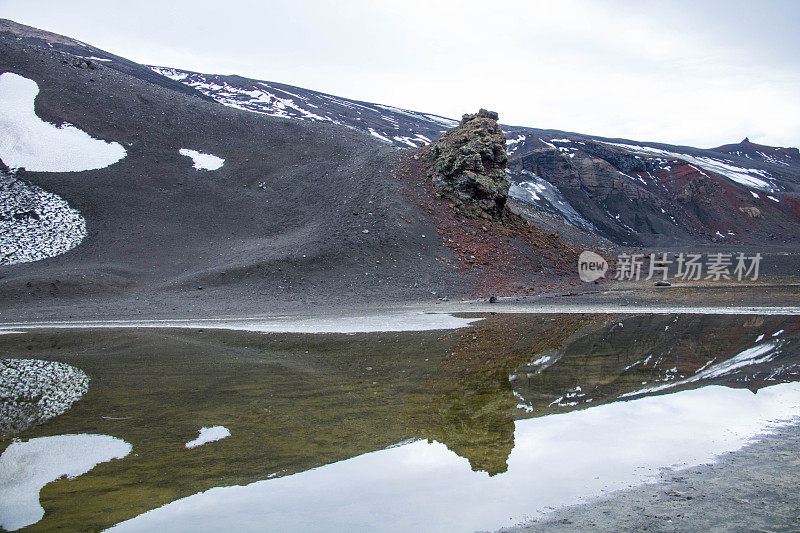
[468,165]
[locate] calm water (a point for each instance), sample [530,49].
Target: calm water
[474,428]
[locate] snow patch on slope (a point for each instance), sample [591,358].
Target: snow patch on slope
[203,161]
[26,141]
[749,177]
[400,127]
[537,192]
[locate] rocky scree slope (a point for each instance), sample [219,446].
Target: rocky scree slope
[299,152]
[625,191]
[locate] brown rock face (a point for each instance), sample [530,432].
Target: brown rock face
[468,165]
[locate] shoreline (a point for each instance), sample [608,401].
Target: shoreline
[369,323]
[409,317]
[750,489]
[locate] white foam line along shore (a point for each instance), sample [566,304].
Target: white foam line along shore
[413,320]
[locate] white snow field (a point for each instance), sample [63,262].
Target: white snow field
[26,467]
[203,161]
[26,141]
[35,224]
[209,434]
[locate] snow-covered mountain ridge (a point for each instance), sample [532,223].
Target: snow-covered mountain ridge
[627,191]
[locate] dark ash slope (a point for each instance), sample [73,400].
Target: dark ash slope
[300,213]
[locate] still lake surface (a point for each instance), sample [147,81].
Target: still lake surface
[474,428]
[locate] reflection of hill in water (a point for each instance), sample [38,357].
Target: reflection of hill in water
[647,352]
[516,366]
[294,402]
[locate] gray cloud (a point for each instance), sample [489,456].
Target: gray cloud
[687,72]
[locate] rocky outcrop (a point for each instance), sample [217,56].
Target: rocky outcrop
[620,159]
[468,165]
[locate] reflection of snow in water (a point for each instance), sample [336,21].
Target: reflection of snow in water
[752,356]
[28,141]
[558,460]
[26,467]
[209,434]
[33,391]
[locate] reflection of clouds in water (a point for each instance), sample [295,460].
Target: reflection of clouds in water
[26,467]
[558,460]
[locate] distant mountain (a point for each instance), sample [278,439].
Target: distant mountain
[655,194]
[789,157]
[392,125]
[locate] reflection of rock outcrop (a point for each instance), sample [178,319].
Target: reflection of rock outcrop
[559,363]
[297,402]
[469,405]
[476,423]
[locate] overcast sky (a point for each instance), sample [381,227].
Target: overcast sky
[693,72]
